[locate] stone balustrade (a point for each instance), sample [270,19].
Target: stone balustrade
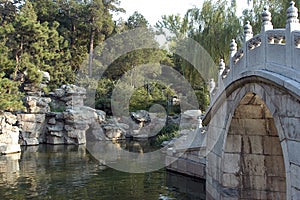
[272,51]
[253,121]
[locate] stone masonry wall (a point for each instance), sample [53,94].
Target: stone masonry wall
[244,154]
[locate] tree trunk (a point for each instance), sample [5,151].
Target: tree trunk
[91,51]
[17,57]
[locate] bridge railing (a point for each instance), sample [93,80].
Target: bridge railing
[272,50]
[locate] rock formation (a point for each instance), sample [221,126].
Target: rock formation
[9,134]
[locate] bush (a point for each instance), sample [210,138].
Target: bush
[167,133]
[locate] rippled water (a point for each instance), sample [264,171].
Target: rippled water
[70,172]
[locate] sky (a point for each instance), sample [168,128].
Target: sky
[154,9]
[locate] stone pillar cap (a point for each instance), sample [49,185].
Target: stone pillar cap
[292,13]
[248,28]
[266,16]
[221,65]
[233,45]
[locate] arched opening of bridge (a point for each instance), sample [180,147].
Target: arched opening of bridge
[253,159]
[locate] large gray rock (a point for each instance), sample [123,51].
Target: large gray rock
[9,134]
[38,105]
[70,126]
[32,128]
[142,117]
[68,96]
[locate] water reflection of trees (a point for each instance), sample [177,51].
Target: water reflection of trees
[70,172]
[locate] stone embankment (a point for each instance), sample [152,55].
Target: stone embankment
[58,118]
[62,118]
[188,158]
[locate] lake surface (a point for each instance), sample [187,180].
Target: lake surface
[71,172]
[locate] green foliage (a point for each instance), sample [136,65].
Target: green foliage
[128,72]
[103,95]
[213,26]
[58,36]
[10,96]
[57,108]
[167,133]
[136,20]
[276,7]
[152,93]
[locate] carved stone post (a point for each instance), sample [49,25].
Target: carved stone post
[267,23]
[292,24]
[221,71]
[221,67]
[248,33]
[233,50]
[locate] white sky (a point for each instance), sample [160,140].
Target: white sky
[154,9]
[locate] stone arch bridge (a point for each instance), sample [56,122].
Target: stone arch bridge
[253,123]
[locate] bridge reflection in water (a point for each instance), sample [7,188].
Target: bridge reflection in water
[70,172]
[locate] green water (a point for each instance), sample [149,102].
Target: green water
[70,172]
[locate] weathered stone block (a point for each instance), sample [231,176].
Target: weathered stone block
[254,194]
[252,144]
[291,108]
[230,180]
[272,146]
[255,126]
[231,163]
[275,166]
[276,184]
[233,143]
[271,128]
[182,164]
[295,176]
[237,127]
[212,192]
[255,182]
[291,127]
[192,157]
[293,151]
[249,112]
[253,164]
[171,162]
[214,161]
[195,169]
[295,193]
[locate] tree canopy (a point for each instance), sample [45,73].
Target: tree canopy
[60,36]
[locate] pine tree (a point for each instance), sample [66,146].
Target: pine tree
[10,96]
[36,47]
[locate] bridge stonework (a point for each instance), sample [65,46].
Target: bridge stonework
[253,123]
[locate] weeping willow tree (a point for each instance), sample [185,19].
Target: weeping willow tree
[213,26]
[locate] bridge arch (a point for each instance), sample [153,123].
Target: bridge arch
[253,123]
[257,106]
[253,145]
